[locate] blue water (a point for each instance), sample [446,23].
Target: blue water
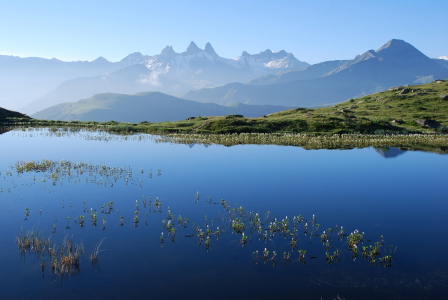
[402,197]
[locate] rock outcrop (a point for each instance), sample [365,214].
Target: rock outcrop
[428,123]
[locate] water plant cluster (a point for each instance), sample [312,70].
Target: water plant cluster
[247,227]
[100,174]
[250,227]
[259,230]
[62,260]
[314,141]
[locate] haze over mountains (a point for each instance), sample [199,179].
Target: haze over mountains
[395,63]
[267,78]
[32,84]
[149,106]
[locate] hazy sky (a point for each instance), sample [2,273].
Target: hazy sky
[314,31]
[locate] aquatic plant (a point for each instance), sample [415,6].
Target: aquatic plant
[65,260]
[104,223]
[247,223]
[94,255]
[100,174]
[302,254]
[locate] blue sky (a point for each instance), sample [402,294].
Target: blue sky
[314,31]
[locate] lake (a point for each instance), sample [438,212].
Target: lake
[168,219]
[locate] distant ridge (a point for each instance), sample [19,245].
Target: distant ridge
[395,63]
[150,106]
[168,72]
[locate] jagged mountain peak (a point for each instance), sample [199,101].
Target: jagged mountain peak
[209,49]
[168,51]
[193,48]
[268,54]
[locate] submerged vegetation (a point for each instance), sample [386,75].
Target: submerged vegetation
[63,260]
[260,230]
[100,174]
[248,227]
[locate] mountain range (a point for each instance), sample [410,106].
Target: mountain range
[32,84]
[276,79]
[395,63]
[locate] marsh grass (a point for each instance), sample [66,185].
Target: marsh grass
[94,256]
[429,141]
[63,259]
[65,170]
[249,227]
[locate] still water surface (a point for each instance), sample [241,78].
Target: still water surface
[401,195]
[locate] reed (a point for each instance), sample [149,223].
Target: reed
[94,255]
[65,260]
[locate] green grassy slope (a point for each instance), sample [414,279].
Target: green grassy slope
[392,110]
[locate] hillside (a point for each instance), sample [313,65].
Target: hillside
[150,107]
[6,114]
[417,108]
